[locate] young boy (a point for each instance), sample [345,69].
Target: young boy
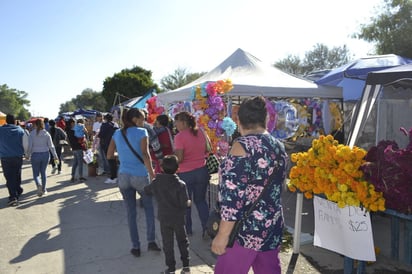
[172,198]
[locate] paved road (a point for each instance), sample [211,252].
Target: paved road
[82,228]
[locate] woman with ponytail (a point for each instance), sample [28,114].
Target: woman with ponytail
[191,150]
[134,174]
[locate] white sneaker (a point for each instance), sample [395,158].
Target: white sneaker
[110,181]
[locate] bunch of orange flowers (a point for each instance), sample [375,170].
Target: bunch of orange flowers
[333,170]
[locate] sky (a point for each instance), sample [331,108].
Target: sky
[55,49]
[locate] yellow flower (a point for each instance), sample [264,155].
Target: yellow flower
[333,169]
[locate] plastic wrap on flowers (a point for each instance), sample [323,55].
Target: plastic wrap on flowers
[389,169]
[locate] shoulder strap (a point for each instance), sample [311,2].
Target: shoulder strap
[208,142]
[130,146]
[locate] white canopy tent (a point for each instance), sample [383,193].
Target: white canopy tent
[251,77]
[389,90]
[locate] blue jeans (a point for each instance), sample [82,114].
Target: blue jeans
[12,173]
[197,183]
[39,162]
[77,162]
[103,162]
[128,186]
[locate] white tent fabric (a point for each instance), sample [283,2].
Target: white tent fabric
[251,77]
[393,79]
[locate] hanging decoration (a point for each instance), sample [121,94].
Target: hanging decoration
[210,110]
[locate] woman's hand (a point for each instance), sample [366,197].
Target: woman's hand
[222,238]
[219,244]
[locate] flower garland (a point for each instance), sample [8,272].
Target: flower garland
[333,170]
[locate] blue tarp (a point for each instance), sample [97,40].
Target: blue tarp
[351,77]
[141,103]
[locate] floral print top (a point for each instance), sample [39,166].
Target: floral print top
[242,179]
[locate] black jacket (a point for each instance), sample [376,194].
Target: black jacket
[105,134]
[73,141]
[172,197]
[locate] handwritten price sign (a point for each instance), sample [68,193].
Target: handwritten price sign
[347,231]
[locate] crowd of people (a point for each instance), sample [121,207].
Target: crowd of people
[166,161]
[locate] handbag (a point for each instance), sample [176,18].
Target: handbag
[130,146]
[88,156]
[213,222]
[63,143]
[212,162]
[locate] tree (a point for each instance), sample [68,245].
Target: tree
[291,64]
[320,58]
[88,99]
[14,102]
[391,30]
[128,83]
[179,78]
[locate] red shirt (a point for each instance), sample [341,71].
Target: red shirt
[193,150]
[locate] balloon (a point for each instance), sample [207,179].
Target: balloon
[287,120]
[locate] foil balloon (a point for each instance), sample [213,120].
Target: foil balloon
[287,121]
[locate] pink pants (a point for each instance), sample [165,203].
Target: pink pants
[238,260]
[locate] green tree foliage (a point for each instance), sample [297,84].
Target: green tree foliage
[291,64]
[128,83]
[179,78]
[390,30]
[320,58]
[88,99]
[14,102]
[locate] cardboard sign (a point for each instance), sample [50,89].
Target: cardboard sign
[347,231]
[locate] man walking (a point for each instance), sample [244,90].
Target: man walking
[11,154]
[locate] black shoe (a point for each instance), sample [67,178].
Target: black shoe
[82,179]
[13,202]
[19,192]
[72,180]
[135,252]
[153,247]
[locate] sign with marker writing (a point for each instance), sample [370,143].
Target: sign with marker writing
[347,231]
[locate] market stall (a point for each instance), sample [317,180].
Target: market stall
[297,107]
[386,106]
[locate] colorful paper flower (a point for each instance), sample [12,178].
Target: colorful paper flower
[229,126]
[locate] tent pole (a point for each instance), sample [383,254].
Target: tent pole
[298,223]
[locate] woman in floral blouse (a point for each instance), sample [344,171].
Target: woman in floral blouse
[253,158]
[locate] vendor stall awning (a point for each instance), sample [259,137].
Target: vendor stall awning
[250,77]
